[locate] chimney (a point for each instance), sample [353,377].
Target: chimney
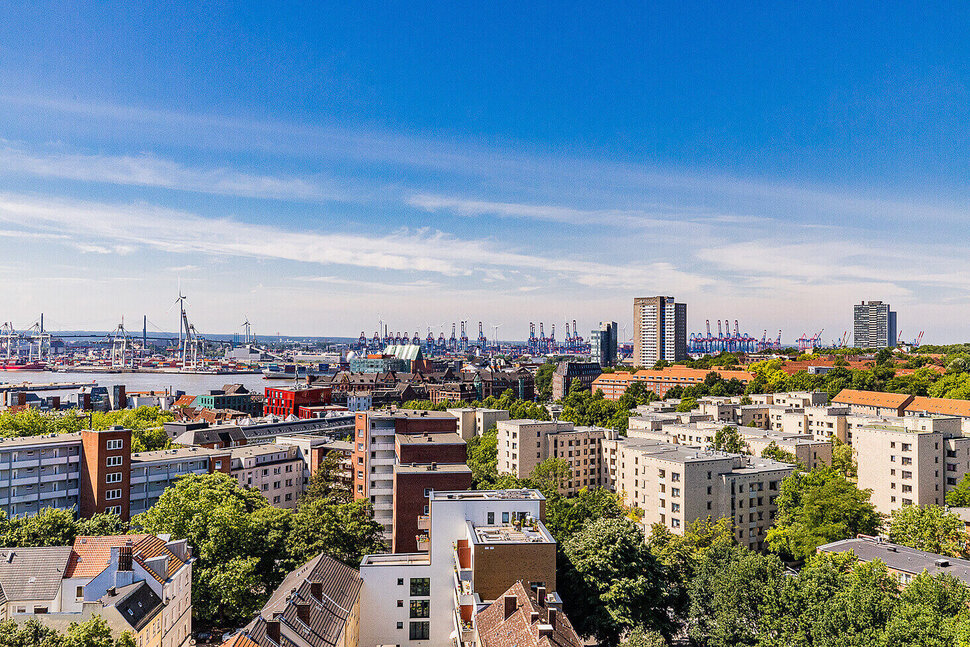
[124,557]
[303,611]
[316,590]
[273,630]
[553,612]
[545,631]
[533,617]
[511,602]
[541,595]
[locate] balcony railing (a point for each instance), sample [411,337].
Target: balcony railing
[424,522]
[424,543]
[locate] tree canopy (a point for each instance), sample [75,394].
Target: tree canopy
[90,633]
[930,528]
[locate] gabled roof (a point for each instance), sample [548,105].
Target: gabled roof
[32,573]
[518,630]
[940,406]
[872,399]
[91,555]
[137,603]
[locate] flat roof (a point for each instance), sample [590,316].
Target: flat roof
[507,534]
[259,450]
[452,468]
[487,495]
[410,413]
[901,558]
[180,453]
[396,559]
[46,439]
[445,438]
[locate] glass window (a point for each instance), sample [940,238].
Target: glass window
[420,609]
[419,631]
[420,587]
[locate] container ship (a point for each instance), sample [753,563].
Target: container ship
[21,365]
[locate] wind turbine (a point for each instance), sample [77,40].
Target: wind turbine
[495,328]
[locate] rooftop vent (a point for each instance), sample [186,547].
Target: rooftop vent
[942,562]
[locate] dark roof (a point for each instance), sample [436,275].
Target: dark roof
[901,558]
[518,630]
[32,573]
[137,603]
[327,615]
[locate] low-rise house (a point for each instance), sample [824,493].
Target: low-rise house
[903,562]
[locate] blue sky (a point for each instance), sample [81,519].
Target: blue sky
[318,169]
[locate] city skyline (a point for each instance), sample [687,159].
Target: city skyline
[537,165]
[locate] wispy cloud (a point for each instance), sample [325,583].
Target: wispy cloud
[147,170]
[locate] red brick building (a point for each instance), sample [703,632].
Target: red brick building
[287,400]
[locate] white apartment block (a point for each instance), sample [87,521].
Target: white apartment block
[523,444]
[915,463]
[475,422]
[277,471]
[675,485]
[37,472]
[482,542]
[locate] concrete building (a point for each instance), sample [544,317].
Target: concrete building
[659,330]
[523,444]
[603,344]
[566,372]
[482,543]
[903,562]
[277,471]
[152,472]
[873,325]
[873,403]
[475,422]
[913,463]
[614,385]
[317,605]
[675,486]
[387,440]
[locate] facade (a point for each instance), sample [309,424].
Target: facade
[141,584]
[378,363]
[37,472]
[317,605]
[286,401]
[873,325]
[524,618]
[903,562]
[475,422]
[277,471]
[482,543]
[614,385]
[244,402]
[659,330]
[676,485]
[152,472]
[381,438]
[603,344]
[566,372]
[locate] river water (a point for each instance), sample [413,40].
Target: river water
[189,383]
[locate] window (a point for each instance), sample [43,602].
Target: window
[79,593]
[218,465]
[491,518]
[505,517]
[112,477]
[113,461]
[675,477]
[276,499]
[420,608]
[427,492]
[113,509]
[400,582]
[400,603]
[116,443]
[40,610]
[419,631]
[400,625]
[111,495]
[420,587]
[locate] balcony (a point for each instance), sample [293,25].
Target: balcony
[424,543]
[465,629]
[424,522]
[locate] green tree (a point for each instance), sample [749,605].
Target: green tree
[327,481]
[611,582]
[843,459]
[726,595]
[959,497]
[551,475]
[49,527]
[565,516]
[543,381]
[932,612]
[345,531]
[930,528]
[100,524]
[641,637]
[29,633]
[728,439]
[816,508]
[687,404]
[482,452]
[231,542]
[774,452]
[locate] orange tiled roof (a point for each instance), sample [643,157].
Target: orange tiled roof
[90,555]
[871,398]
[671,372]
[940,406]
[519,630]
[240,640]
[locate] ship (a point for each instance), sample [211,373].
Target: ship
[294,371]
[21,365]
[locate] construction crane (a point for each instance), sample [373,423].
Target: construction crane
[121,357]
[919,338]
[482,342]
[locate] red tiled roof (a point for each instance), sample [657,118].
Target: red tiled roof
[940,406]
[871,398]
[90,555]
[518,630]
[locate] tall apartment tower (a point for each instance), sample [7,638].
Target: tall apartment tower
[659,330]
[873,325]
[603,344]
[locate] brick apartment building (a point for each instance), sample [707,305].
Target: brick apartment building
[287,400]
[567,372]
[400,456]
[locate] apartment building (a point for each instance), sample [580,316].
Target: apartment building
[277,471]
[524,618]
[903,562]
[914,463]
[482,543]
[151,473]
[614,385]
[659,330]
[37,472]
[810,451]
[382,444]
[251,431]
[140,584]
[523,444]
[475,422]
[317,605]
[567,372]
[873,325]
[873,403]
[675,485]
[287,401]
